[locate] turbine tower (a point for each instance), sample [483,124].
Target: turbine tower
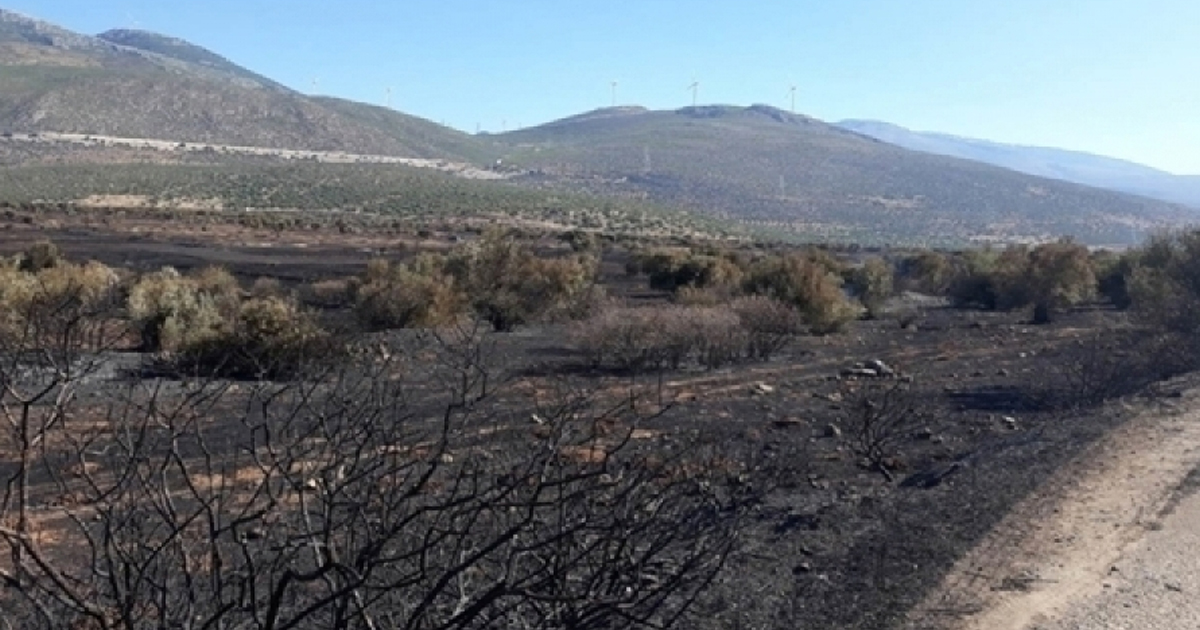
[389,97]
[793,93]
[614,93]
[695,88]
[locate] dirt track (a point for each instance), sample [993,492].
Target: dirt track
[1054,561]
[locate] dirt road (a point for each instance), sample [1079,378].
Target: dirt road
[1107,543]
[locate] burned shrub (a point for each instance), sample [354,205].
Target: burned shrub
[770,325]
[880,414]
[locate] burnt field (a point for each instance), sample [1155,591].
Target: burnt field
[466,477]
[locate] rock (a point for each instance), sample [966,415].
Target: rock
[832,431]
[880,367]
[762,389]
[803,567]
[1002,372]
[860,372]
[924,434]
[787,423]
[1010,421]
[931,477]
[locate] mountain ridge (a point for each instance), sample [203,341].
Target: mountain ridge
[1079,167]
[770,167]
[787,173]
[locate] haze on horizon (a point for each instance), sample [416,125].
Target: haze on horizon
[1112,77]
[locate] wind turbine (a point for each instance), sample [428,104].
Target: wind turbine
[614,93]
[389,97]
[793,93]
[695,88]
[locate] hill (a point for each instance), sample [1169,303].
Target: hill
[796,175]
[143,85]
[1073,166]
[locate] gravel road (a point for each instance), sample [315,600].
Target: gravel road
[1156,584]
[1110,542]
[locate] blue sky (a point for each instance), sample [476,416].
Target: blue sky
[1115,77]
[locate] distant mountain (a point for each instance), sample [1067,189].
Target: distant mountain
[192,55]
[144,85]
[784,173]
[1072,166]
[799,175]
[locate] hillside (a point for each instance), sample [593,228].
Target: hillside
[142,85]
[1072,166]
[799,176]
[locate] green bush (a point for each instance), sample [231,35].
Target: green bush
[41,255]
[1049,277]
[171,311]
[807,283]
[408,295]
[675,269]
[56,305]
[873,283]
[1164,282]
[927,272]
[509,285]
[270,338]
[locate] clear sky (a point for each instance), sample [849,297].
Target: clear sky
[1115,77]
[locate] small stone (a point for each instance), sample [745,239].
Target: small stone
[1002,372]
[763,389]
[803,567]
[832,431]
[924,434]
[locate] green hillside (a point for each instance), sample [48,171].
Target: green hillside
[801,176]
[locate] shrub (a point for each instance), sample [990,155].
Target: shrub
[172,312]
[807,283]
[41,255]
[972,283]
[1112,276]
[56,305]
[873,283]
[509,285]
[1050,277]
[417,294]
[1164,283]
[769,324]
[271,338]
[674,269]
[331,293]
[1060,275]
[927,272]
[265,286]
